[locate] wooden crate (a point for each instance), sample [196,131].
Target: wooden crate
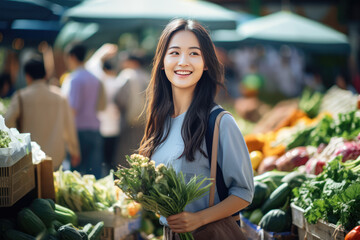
[45,179]
[16,181]
[320,230]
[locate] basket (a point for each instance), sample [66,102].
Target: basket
[16,181]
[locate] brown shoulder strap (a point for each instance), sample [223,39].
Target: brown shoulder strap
[214,158]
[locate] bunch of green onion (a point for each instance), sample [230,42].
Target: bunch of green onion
[159,189]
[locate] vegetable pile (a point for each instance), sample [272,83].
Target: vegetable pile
[333,195]
[44,219]
[4,139]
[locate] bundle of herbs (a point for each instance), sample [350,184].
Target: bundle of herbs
[159,189]
[333,195]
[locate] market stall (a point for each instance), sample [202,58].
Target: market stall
[307,171]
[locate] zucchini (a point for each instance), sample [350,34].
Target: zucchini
[87,228]
[66,217]
[57,224]
[261,193]
[294,179]
[29,222]
[96,232]
[43,210]
[5,224]
[277,198]
[256,216]
[13,234]
[69,233]
[276,220]
[83,234]
[51,202]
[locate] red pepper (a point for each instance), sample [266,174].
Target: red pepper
[354,234]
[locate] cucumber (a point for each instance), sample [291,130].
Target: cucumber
[277,198]
[261,193]
[256,216]
[13,234]
[96,231]
[69,233]
[43,209]
[29,222]
[276,220]
[294,179]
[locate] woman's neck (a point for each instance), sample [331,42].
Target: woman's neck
[182,99]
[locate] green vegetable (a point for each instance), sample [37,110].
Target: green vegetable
[65,215]
[96,231]
[277,198]
[83,235]
[87,228]
[5,224]
[51,202]
[276,220]
[333,195]
[29,222]
[43,210]
[294,179]
[4,139]
[57,224]
[261,192]
[271,178]
[69,233]
[13,234]
[256,216]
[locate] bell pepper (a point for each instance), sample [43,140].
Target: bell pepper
[354,234]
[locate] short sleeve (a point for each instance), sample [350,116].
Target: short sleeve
[234,160]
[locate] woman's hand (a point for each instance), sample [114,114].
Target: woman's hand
[184,222]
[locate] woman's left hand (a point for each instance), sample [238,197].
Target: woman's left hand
[184,222]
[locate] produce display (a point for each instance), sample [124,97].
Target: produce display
[44,219]
[4,139]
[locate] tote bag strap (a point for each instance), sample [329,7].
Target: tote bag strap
[214,163]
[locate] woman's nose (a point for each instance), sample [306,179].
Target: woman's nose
[183,61]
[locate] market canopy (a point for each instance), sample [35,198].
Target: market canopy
[140,13]
[286,28]
[29,9]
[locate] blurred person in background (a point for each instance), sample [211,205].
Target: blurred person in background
[104,64]
[41,110]
[342,81]
[6,86]
[130,99]
[85,93]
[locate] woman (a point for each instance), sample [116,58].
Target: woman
[183,85]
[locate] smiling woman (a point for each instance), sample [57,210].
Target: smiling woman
[183,63]
[181,93]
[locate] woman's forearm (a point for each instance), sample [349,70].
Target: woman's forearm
[225,208]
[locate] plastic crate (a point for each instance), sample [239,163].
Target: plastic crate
[16,181]
[255,232]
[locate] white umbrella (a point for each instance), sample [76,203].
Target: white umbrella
[287,28]
[140,13]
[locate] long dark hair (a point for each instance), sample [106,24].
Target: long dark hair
[159,94]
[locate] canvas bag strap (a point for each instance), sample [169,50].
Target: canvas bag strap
[214,157]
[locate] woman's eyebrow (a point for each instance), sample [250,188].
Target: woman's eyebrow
[176,47]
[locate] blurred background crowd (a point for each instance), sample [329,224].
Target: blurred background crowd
[272,50]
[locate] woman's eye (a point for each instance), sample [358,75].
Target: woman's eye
[173,53]
[194,54]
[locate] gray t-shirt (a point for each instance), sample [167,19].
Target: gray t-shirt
[233,158]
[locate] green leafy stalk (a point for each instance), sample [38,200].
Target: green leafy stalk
[161,189]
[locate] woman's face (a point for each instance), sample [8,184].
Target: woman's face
[183,61]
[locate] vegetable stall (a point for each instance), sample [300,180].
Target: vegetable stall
[307,171]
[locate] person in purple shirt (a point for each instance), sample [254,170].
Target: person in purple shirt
[83,90]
